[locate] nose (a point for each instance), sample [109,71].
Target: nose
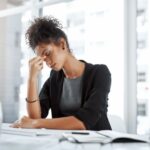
[47,59]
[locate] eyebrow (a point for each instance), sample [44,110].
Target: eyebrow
[41,53]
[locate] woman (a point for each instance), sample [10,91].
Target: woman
[76,91]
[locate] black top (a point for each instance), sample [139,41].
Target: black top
[95,88]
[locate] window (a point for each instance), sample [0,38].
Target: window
[95,31]
[143,67]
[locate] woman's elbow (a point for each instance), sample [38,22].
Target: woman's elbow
[81,126]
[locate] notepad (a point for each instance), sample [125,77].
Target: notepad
[105,136]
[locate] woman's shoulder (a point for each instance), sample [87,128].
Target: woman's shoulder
[97,67]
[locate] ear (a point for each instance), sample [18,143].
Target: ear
[62,43]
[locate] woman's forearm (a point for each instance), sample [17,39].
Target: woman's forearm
[33,109]
[64,123]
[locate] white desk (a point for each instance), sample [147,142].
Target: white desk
[51,142]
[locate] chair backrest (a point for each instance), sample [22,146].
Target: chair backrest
[117,123]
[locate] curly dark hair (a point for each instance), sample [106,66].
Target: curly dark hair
[45,30]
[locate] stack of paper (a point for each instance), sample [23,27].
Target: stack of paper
[6,129]
[18,131]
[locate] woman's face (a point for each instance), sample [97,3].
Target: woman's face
[53,55]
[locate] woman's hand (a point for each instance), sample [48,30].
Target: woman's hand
[35,66]
[25,122]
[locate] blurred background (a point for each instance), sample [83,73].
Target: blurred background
[111,32]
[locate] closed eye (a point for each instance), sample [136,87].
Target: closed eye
[47,53]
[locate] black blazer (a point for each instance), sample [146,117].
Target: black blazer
[96,84]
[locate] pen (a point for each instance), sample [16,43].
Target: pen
[82,133]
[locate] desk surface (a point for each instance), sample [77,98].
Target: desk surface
[51,142]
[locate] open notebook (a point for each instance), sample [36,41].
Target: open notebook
[105,136]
